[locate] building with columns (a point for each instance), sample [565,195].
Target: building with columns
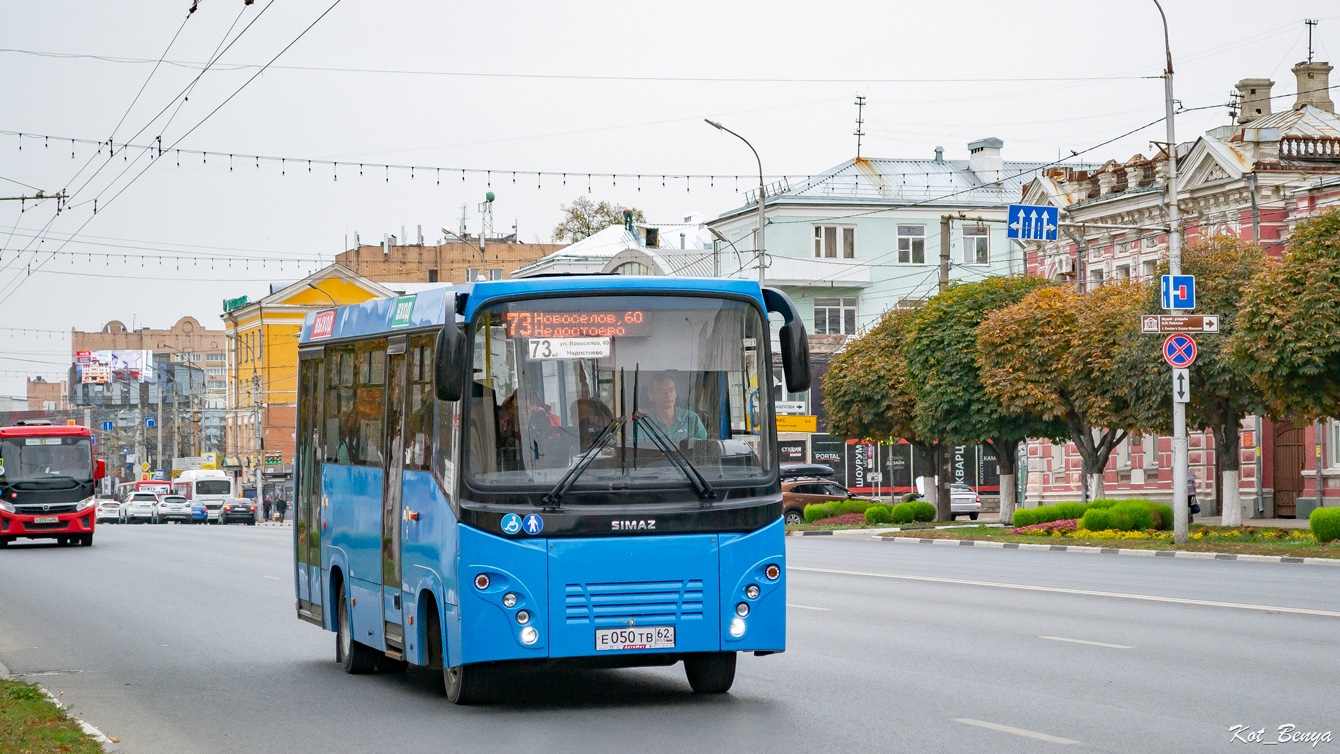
[1252,180]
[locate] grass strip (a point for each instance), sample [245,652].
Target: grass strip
[30,723]
[1286,549]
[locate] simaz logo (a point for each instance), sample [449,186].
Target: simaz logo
[324,324]
[641,524]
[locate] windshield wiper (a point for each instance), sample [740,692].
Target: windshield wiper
[677,458]
[555,496]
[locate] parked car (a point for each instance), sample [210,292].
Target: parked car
[107,511]
[199,513]
[237,510]
[964,500]
[138,508]
[806,484]
[172,508]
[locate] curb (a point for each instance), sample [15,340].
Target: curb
[1082,549]
[860,532]
[94,733]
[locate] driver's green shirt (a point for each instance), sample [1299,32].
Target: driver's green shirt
[687,426]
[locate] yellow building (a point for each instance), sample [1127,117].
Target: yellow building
[263,369]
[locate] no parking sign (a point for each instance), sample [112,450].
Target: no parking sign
[1179,350]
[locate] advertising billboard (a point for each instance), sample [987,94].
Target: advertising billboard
[102,367]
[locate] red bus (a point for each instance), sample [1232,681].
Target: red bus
[47,479]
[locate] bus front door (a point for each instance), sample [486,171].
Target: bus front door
[307,506]
[391,504]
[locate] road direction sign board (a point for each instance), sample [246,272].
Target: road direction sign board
[1179,350]
[149,422]
[1192,323]
[1181,385]
[106,426]
[1178,291]
[1030,223]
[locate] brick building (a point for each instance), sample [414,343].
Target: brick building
[444,263]
[48,396]
[1253,179]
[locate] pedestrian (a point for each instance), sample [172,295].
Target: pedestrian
[283,508]
[1192,507]
[265,508]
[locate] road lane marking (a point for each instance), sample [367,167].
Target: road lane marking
[1016,731]
[1090,643]
[807,607]
[1083,592]
[276,578]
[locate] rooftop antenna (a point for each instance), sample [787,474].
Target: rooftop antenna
[1311,24]
[860,106]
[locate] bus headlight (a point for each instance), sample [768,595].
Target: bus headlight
[751,591]
[737,627]
[529,635]
[6,507]
[523,617]
[742,609]
[509,599]
[84,504]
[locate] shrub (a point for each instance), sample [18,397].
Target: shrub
[1142,516]
[1165,515]
[878,514]
[922,510]
[902,513]
[816,511]
[1069,510]
[1046,513]
[1325,523]
[844,507]
[1100,519]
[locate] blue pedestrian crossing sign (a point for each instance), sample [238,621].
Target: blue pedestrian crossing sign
[106,426]
[511,523]
[1178,291]
[1030,223]
[532,524]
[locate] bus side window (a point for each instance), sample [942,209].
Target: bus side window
[340,427]
[419,417]
[369,403]
[447,426]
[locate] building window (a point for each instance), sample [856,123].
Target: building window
[1148,269]
[976,244]
[472,275]
[1096,277]
[835,316]
[911,244]
[495,274]
[215,357]
[1334,441]
[833,241]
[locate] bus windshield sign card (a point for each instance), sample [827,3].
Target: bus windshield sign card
[567,348]
[324,324]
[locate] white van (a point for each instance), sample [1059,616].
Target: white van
[211,487]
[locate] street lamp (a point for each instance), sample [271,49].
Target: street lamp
[483,263]
[1181,524]
[762,218]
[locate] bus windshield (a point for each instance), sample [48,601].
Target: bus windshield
[213,487]
[50,458]
[620,384]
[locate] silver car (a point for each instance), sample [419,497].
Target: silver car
[172,508]
[138,508]
[964,501]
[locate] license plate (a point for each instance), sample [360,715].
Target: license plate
[46,520]
[651,637]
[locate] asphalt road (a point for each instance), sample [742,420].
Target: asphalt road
[183,639]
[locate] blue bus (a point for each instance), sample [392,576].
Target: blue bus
[574,471]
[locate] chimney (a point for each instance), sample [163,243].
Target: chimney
[984,159]
[939,154]
[628,220]
[1255,95]
[1313,86]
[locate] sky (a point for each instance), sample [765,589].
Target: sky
[596,87]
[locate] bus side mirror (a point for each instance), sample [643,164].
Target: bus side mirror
[795,344]
[449,359]
[99,468]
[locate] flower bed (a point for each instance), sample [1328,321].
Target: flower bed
[1056,528]
[1072,530]
[845,519]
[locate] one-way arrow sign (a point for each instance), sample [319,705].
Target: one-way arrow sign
[1181,387]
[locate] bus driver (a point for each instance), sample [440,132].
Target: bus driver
[677,423]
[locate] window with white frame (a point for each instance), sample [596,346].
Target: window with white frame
[976,244]
[1333,440]
[1148,268]
[472,275]
[911,244]
[833,241]
[495,275]
[835,316]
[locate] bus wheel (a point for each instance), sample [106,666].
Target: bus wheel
[710,672]
[356,658]
[468,684]
[86,539]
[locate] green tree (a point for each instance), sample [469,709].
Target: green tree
[1287,337]
[584,218]
[1075,357]
[866,387]
[950,400]
[1222,391]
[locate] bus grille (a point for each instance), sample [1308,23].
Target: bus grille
[652,601]
[36,509]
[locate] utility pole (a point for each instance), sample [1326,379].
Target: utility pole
[158,426]
[762,195]
[945,221]
[1181,512]
[257,413]
[860,108]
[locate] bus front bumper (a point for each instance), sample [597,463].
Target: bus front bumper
[613,600]
[35,527]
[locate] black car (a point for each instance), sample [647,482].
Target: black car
[238,511]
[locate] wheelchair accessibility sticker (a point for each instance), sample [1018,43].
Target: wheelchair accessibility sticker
[511,523]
